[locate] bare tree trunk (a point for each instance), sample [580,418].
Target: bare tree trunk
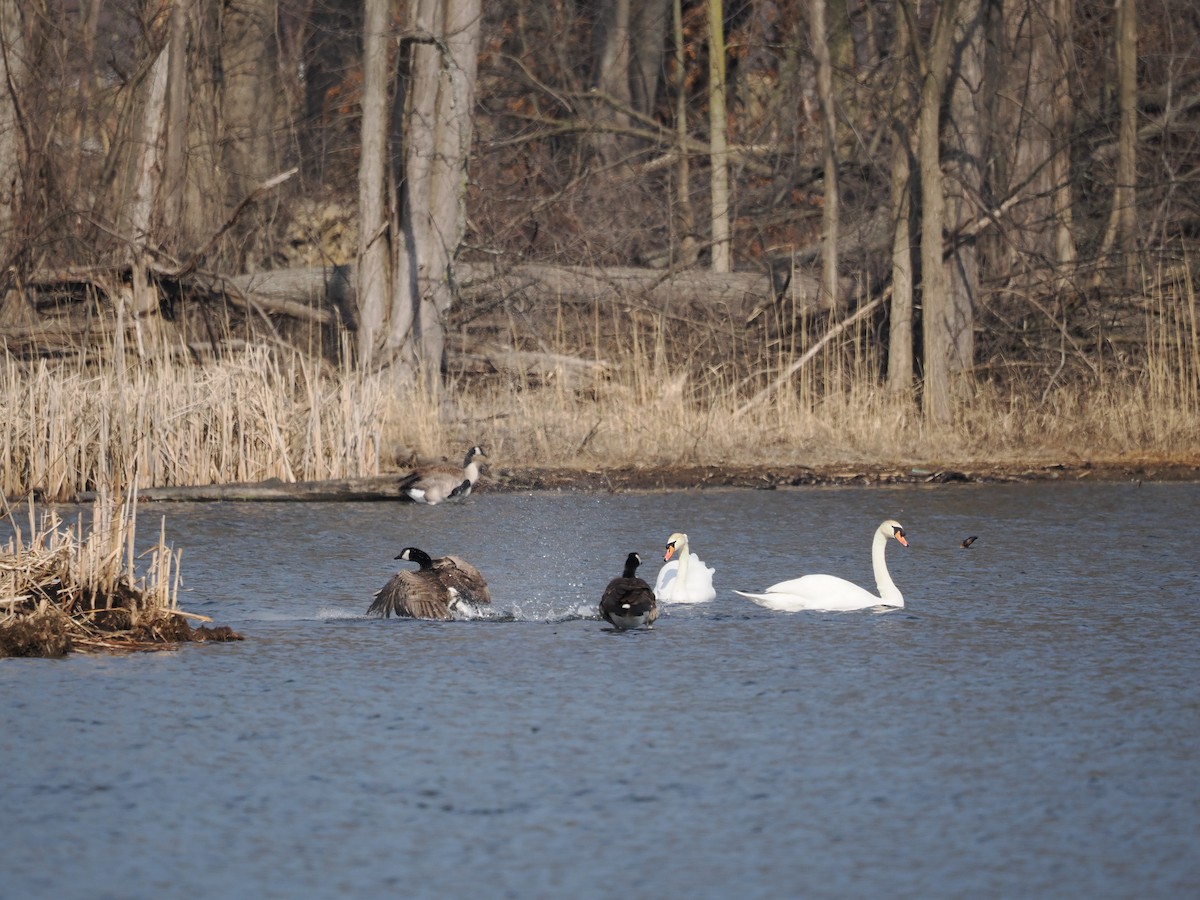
[174,160]
[963,185]
[13,69]
[374,249]
[87,85]
[938,322]
[612,80]
[1122,223]
[461,26]
[829,212]
[900,335]
[648,29]
[1031,162]
[147,182]
[249,58]
[440,109]
[722,251]
[1059,53]
[685,219]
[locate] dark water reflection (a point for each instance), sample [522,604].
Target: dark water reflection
[1028,726]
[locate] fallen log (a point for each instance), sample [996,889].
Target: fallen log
[732,293]
[375,487]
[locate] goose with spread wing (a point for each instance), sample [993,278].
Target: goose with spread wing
[435,590]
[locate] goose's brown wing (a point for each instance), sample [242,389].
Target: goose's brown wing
[435,483]
[632,591]
[416,595]
[455,572]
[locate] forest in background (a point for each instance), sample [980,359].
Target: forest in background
[959,208]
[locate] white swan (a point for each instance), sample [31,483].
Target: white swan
[831,592]
[686,579]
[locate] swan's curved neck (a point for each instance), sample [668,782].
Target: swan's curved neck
[888,592]
[679,585]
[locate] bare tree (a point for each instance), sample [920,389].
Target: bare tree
[406,287]
[249,102]
[830,210]
[453,112]
[648,28]
[964,140]
[12,91]
[1030,164]
[941,327]
[374,246]
[1122,223]
[612,80]
[722,249]
[685,220]
[900,335]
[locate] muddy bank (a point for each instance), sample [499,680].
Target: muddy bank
[629,478]
[510,479]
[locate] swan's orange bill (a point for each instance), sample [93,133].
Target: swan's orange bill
[901,539]
[670,550]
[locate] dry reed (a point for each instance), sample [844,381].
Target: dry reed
[66,587]
[658,399]
[67,426]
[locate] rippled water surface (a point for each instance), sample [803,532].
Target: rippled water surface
[1028,726]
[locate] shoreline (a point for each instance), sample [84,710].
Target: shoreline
[628,478]
[616,479]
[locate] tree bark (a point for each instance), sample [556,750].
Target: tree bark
[900,335]
[612,80]
[438,128]
[685,219]
[455,111]
[938,318]
[13,71]
[374,248]
[829,212]
[963,185]
[1032,123]
[648,32]
[1059,53]
[174,159]
[1122,224]
[146,186]
[722,252]
[249,59]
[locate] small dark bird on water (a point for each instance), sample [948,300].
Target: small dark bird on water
[967,542]
[629,602]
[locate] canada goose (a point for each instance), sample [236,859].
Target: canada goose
[685,579]
[628,601]
[463,580]
[433,484]
[433,591]
[831,592]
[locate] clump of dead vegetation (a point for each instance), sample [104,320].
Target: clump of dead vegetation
[66,587]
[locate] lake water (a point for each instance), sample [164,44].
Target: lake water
[1028,726]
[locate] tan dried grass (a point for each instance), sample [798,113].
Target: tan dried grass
[65,586]
[66,426]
